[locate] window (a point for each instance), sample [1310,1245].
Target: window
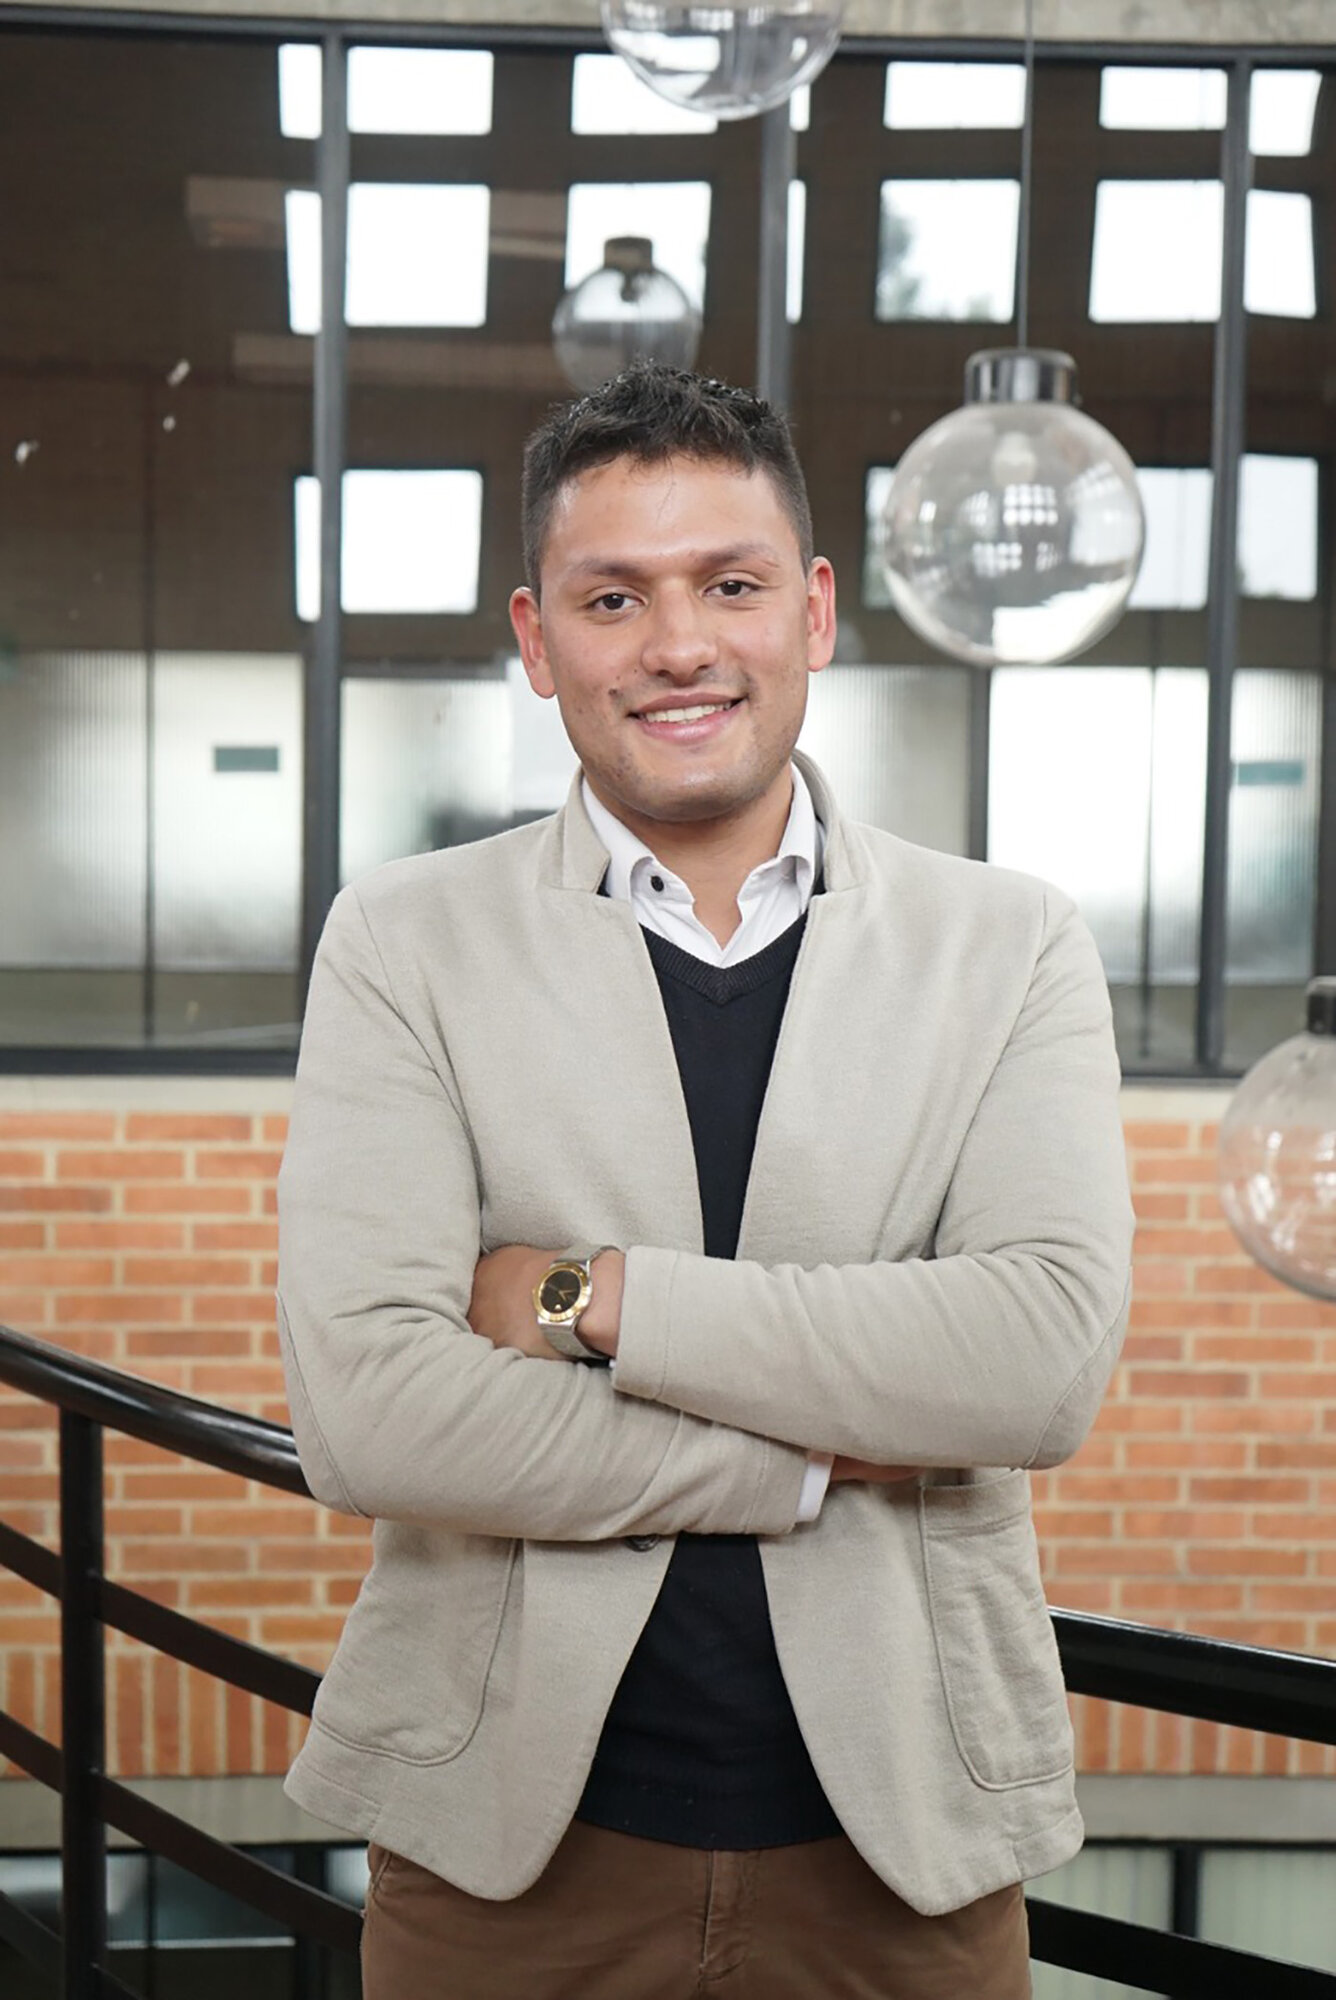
[1164,100]
[607,96]
[444,91]
[937,96]
[1157,250]
[1278,274]
[947,250]
[1282,105]
[675,215]
[411,541]
[417,256]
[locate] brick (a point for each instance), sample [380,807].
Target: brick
[1118,1486]
[1120,1416]
[56,1200]
[1246,1559]
[1286,1312]
[1215,1313]
[179,1559]
[1163,1277]
[185,1341]
[1171,1170]
[1189,1382]
[260,1236]
[172,1480]
[1069,1524]
[230,1307]
[20,1165]
[53,1271]
[24,1311]
[1290,1382]
[1301,1528]
[256,1520]
[1114,1559]
[1239,1277]
[1241,1348]
[57,1125]
[229,1380]
[187,1200]
[118,1235]
[1183,1523]
[122,1165]
[22,1235]
[245,1593]
[1153,1135]
[1255,1491]
[1180,1597]
[1153,1347]
[188,1272]
[1158,1206]
[274,1129]
[74,1308]
[1192,1243]
[1253,1417]
[1295,1451]
[1223,1453]
[243,1163]
[215,1127]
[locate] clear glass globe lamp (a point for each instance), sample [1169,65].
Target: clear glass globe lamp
[1013,529]
[1277,1157]
[728,62]
[628,310]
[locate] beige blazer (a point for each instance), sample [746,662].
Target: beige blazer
[932,1271]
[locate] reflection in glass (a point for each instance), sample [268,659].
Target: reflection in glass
[607,96]
[411,541]
[1274,1902]
[626,311]
[1162,100]
[417,255]
[1176,562]
[675,215]
[445,91]
[947,250]
[876,492]
[1278,275]
[956,97]
[1131,1883]
[1281,105]
[1157,250]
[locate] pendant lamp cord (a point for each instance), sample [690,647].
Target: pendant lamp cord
[1027,189]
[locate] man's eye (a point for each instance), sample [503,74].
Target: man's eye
[734,586]
[611,600]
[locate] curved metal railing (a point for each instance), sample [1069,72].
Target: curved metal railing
[1215,1680]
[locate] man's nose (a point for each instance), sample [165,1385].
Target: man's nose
[678,635]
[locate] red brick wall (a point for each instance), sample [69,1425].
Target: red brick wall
[136,1226]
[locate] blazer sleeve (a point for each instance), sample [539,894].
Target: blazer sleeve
[399,1409]
[994,1351]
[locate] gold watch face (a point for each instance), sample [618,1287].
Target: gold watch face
[563,1292]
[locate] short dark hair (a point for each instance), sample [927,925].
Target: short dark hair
[652,413]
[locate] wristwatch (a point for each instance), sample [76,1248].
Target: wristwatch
[561,1296]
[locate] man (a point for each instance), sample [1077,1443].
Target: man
[725,1665]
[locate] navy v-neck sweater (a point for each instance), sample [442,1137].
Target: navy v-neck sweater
[701,1746]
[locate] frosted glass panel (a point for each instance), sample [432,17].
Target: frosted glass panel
[390,90]
[73,821]
[1273,821]
[1277,1904]
[876,492]
[947,250]
[411,541]
[608,97]
[797,250]
[1278,526]
[227,843]
[428,764]
[417,255]
[1278,273]
[1176,562]
[894,742]
[1281,107]
[1130,1883]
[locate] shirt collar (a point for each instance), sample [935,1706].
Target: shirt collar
[628,857]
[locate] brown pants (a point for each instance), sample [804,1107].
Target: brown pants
[614,1918]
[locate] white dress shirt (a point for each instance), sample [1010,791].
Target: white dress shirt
[772,898]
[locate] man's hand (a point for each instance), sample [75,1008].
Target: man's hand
[845,1469]
[501,1306]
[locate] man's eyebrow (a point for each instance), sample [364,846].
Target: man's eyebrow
[703,559]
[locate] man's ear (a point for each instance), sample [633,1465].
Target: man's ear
[820,615]
[527,619]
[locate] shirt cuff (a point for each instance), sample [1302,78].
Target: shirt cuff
[813,1489]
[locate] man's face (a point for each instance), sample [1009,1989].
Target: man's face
[677,629]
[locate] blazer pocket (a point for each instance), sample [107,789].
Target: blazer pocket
[410,1673]
[996,1653]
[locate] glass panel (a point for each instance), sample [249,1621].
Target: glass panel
[947,250]
[1175,565]
[1278,275]
[1157,250]
[1278,526]
[675,215]
[1277,1903]
[1273,825]
[1163,100]
[445,91]
[1133,1884]
[797,250]
[1097,781]
[894,742]
[923,96]
[1282,104]
[876,492]
[428,763]
[417,256]
[411,542]
[608,96]
[145,544]
[800,108]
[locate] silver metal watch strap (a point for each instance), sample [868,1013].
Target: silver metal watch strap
[565,1339]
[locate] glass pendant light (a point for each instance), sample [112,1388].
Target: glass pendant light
[628,310]
[1013,529]
[1277,1159]
[728,62]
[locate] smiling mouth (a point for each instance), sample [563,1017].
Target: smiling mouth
[696,712]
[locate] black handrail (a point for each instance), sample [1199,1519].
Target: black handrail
[1216,1680]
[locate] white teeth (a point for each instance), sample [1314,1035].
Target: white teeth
[687,714]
